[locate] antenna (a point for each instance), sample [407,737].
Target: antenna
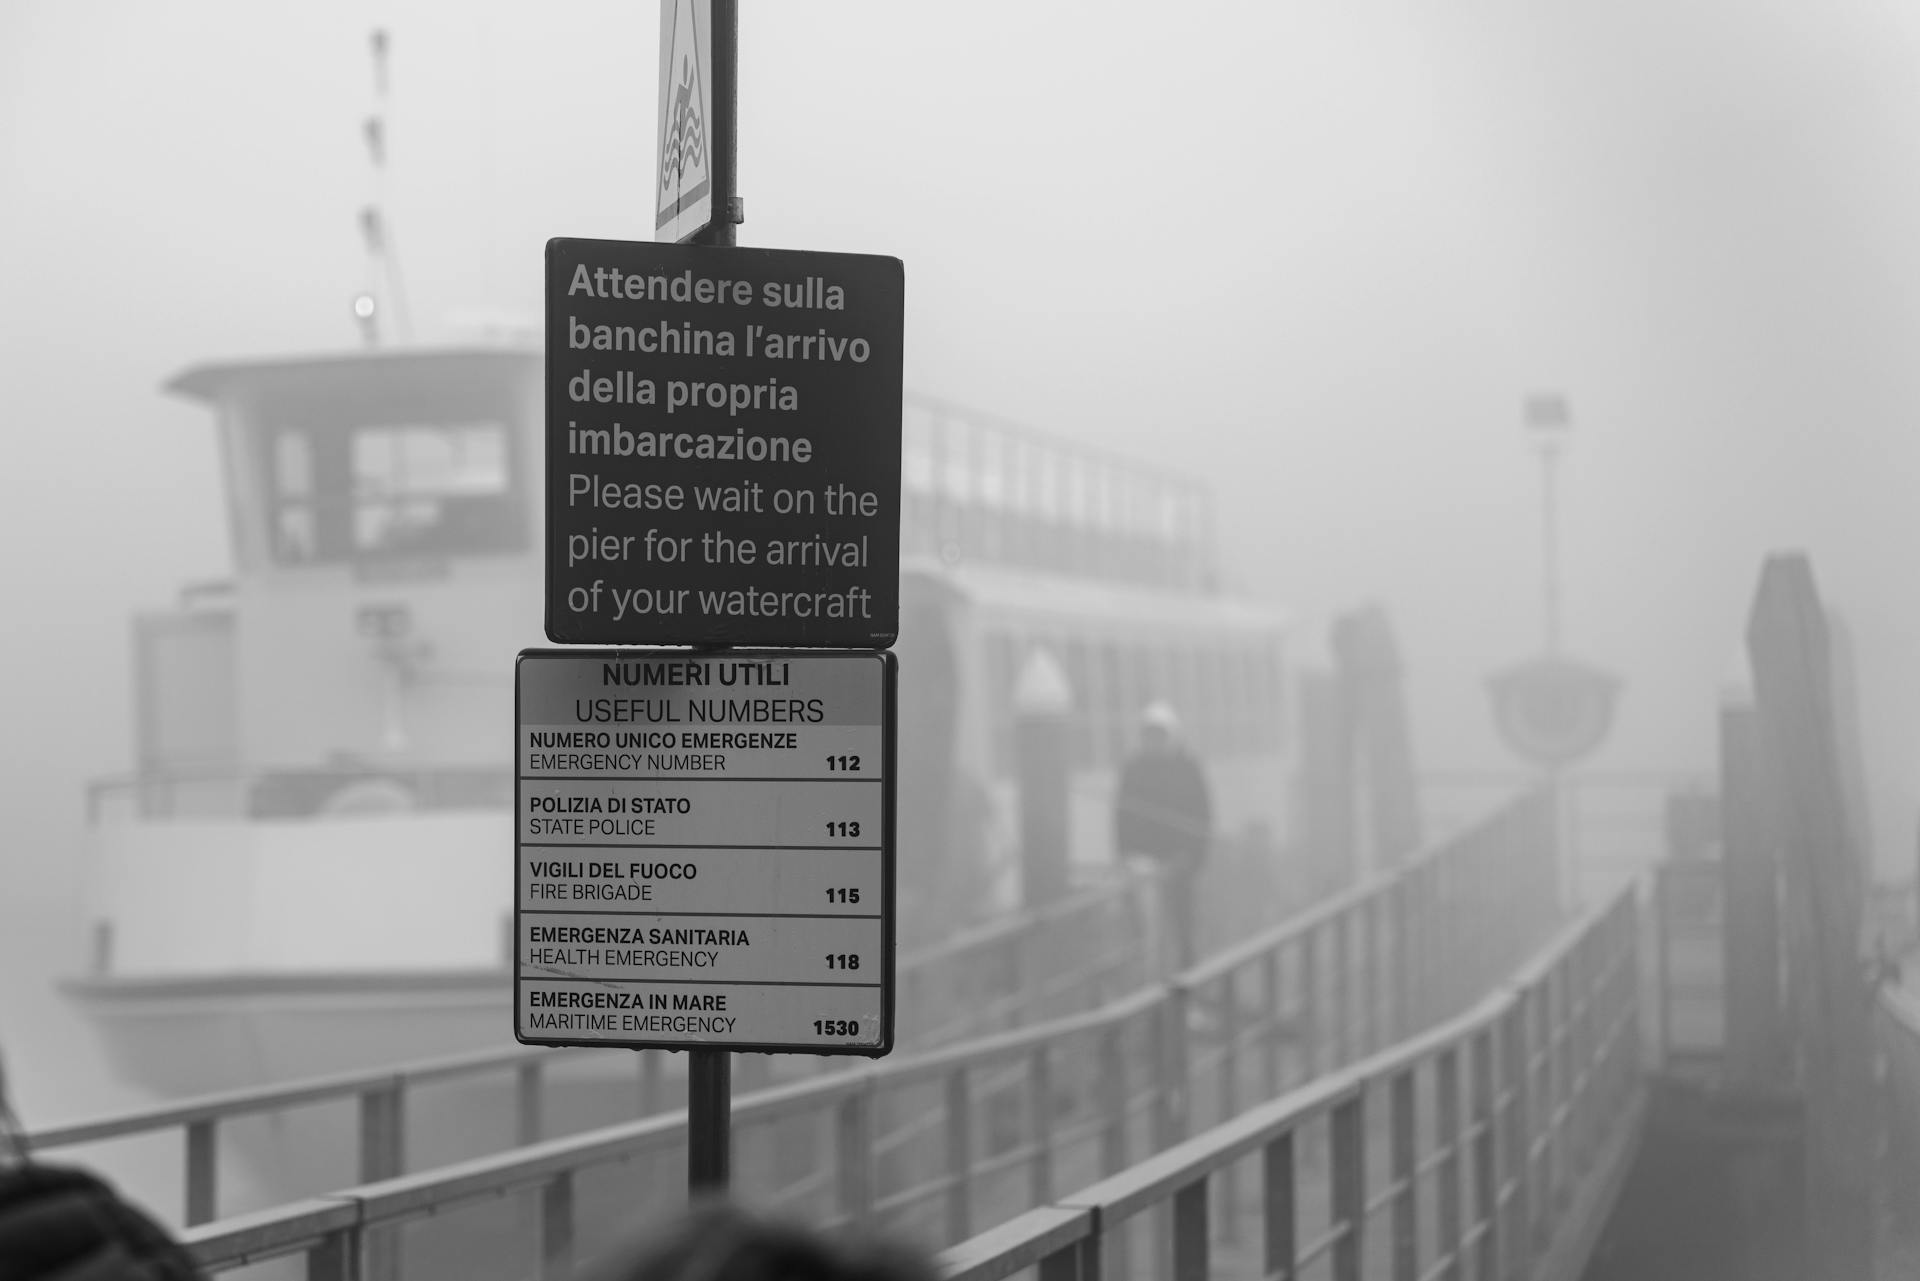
[376,228]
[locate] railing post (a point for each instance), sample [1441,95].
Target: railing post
[1349,1187]
[383,1132]
[1515,1224]
[1040,1120]
[203,1158]
[1281,1253]
[556,1227]
[1584,1081]
[1572,1069]
[527,1110]
[959,1156]
[853,1150]
[1309,1017]
[1276,1020]
[1661,979]
[1170,1113]
[1486,1154]
[1019,954]
[1406,1179]
[1629,979]
[1190,1232]
[1446,959]
[1371,980]
[1403,1023]
[1229,1047]
[1170,1058]
[1342,975]
[334,1256]
[1113,1100]
[1556,1032]
[1077,1262]
[1447,1138]
[1549,1019]
[1384,960]
[1229,1097]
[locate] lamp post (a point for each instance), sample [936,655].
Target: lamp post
[1547,419]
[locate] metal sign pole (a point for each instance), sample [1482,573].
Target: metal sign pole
[726,100]
[709,1121]
[710,1072]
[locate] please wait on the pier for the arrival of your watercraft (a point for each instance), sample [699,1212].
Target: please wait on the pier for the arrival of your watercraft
[723,445]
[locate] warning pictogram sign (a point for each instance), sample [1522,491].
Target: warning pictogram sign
[684,187]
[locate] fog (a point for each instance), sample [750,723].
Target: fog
[1315,253]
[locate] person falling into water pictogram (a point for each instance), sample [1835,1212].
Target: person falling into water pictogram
[686,141]
[1163,811]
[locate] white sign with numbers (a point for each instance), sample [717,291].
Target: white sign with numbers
[704,849]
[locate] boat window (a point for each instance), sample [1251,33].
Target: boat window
[296,532]
[388,490]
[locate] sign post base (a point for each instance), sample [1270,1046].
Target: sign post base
[709,1121]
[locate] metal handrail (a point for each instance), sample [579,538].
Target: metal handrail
[371,1086]
[1516,1206]
[1472,865]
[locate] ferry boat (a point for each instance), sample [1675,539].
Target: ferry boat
[308,868]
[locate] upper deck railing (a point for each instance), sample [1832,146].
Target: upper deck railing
[976,487]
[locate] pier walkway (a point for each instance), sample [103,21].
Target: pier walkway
[1408,1065]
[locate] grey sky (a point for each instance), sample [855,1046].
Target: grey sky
[1315,252]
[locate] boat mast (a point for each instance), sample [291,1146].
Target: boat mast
[376,229]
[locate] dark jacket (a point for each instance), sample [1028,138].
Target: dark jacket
[59,1222]
[1162,807]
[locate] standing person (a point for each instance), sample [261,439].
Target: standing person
[1163,811]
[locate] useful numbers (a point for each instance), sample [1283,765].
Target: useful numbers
[843,828]
[844,764]
[843,960]
[835,1027]
[837,895]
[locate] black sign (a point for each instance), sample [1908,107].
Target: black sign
[723,445]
